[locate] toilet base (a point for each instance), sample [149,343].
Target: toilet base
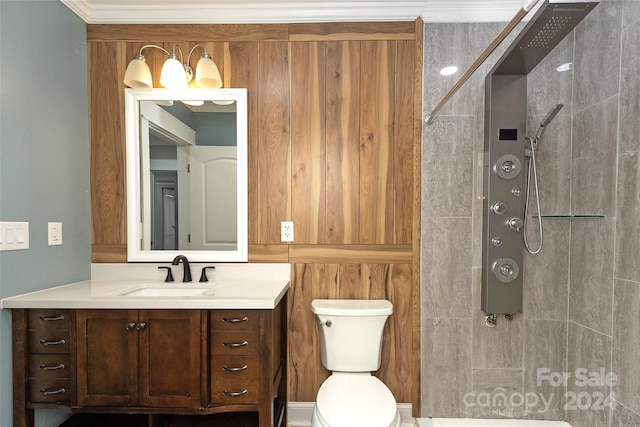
[317,422]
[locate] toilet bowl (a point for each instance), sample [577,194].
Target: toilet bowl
[351,343]
[355,400]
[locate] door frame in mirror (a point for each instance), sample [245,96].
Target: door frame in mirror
[135,252]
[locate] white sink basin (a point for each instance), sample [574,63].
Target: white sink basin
[165,292]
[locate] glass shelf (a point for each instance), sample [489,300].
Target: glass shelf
[571,216]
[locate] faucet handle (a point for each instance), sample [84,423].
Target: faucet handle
[169,275]
[203,276]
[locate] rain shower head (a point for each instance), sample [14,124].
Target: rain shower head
[547,119]
[550,24]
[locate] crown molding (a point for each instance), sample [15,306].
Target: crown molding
[289,11]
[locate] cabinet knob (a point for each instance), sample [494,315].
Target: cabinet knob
[130,326]
[140,326]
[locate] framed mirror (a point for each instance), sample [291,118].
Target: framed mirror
[186,157]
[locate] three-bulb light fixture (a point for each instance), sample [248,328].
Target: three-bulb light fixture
[175,74]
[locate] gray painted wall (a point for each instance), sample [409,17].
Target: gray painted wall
[582,293]
[44,158]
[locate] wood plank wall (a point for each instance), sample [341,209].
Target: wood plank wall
[334,145]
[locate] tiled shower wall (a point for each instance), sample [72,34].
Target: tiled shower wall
[582,292]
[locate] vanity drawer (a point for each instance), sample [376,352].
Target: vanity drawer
[49,319]
[235,343]
[231,392]
[49,366]
[48,342]
[234,320]
[235,367]
[54,390]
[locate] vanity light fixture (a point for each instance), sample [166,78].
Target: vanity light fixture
[175,74]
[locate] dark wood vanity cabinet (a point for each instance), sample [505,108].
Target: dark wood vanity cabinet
[147,358]
[155,363]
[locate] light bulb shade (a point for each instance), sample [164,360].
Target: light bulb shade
[138,74]
[207,74]
[173,75]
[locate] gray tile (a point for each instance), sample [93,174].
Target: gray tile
[544,355]
[454,44]
[591,277]
[589,354]
[626,343]
[447,167]
[594,159]
[445,366]
[628,224]
[630,88]
[597,55]
[553,165]
[623,417]
[546,86]
[631,13]
[446,267]
[546,274]
[497,393]
[499,347]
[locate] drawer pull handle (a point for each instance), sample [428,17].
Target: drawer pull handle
[229,369]
[52,368]
[51,318]
[235,319]
[59,342]
[235,393]
[49,393]
[235,344]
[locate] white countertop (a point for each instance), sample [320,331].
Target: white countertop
[227,294]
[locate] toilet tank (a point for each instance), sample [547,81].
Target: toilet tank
[351,333]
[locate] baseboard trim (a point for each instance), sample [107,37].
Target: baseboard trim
[299,414]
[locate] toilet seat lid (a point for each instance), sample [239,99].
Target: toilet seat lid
[356,400]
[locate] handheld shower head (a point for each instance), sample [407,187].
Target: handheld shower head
[547,119]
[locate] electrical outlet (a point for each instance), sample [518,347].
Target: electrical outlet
[55,233]
[286,231]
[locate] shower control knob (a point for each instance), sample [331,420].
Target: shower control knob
[505,270]
[499,208]
[515,223]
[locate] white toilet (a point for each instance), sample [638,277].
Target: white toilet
[350,344]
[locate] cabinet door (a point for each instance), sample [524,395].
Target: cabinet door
[107,361]
[170,358]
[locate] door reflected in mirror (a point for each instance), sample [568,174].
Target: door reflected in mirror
[190,182]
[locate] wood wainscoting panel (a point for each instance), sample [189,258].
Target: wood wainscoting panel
[273,145]
[376,142]
[351,281]
[108,172]
[342,131]
[308,152]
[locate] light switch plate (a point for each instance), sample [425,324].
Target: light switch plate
[14,236]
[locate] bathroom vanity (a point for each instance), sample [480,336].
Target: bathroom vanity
[165,352]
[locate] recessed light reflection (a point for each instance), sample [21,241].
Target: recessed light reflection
[447,71]
[564,67]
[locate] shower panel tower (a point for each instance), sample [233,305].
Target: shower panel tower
[504,151]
